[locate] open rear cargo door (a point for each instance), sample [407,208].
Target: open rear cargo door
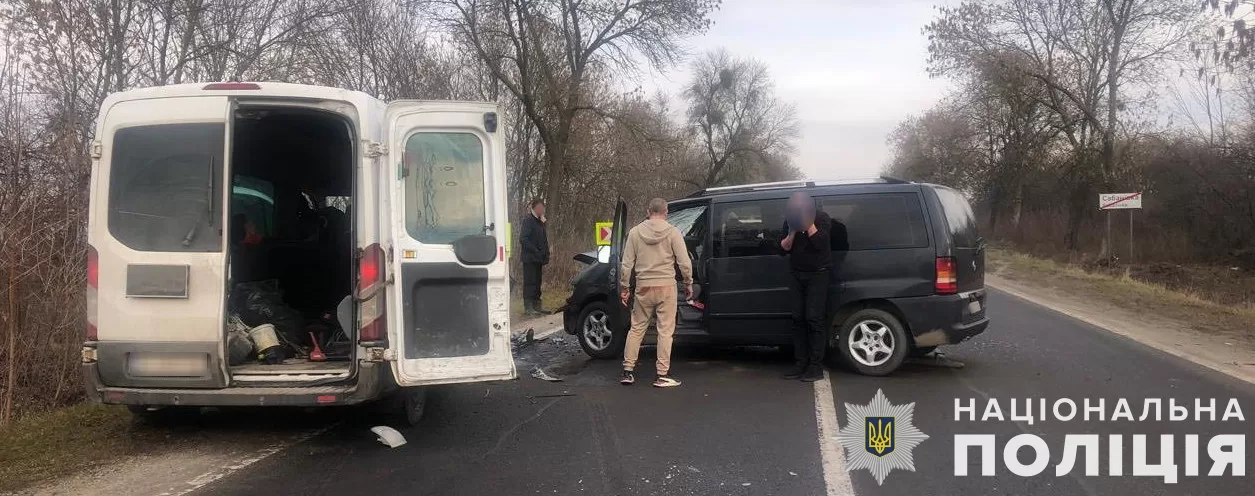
[156,229]
[450,291]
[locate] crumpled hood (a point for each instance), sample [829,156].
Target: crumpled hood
[654,231]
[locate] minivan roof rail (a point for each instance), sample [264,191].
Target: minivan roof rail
[758,186]
[804,183]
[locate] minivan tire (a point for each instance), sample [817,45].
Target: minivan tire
[595,319]
[873,342]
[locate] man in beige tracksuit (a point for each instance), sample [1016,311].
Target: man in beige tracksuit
[654,248]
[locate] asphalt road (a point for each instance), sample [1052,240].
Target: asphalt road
[735,427]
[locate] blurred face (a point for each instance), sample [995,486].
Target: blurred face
[802,207]
[539,209]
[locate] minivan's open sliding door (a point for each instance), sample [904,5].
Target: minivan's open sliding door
[158,245]
[450,281]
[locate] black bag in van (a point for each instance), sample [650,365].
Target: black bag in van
[262,303]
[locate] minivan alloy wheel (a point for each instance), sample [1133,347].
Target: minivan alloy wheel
[871,343]
[596,330]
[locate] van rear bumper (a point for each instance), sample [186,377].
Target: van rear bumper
[944,319]
[373,380]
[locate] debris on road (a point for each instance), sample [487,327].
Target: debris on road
[793,473]
[935,359]
[388,436]
[540,373]
[561,395]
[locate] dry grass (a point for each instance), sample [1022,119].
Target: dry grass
[1126,292]
[63,441]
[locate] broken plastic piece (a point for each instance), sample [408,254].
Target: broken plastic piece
[388,436]
[540,373]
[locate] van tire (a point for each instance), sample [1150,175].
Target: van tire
[880,330]
[599,311]
[408,405]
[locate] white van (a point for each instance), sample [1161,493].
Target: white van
[371,233]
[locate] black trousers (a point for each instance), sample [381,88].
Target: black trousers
[810,299]
[531,284]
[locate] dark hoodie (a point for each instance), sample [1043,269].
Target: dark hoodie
[653,249]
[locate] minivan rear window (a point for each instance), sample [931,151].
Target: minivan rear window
[959,218]
[879,221]
[165,187]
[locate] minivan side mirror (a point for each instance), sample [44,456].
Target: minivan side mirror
[603,254]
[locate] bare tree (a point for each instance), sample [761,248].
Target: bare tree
[743,127]
[1083,52]
[542,52]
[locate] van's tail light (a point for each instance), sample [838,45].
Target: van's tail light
[93,286]
[947,278]
[371,303]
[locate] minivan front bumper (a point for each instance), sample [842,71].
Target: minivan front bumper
[373,379]
[944,319]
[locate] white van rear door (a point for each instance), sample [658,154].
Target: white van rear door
[450,281]
[156,226]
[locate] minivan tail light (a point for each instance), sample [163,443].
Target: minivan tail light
[93,286]
[947,280]
[371,299]
[232,86]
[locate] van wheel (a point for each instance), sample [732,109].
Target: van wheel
[408,405]
[597,334]
[873,342]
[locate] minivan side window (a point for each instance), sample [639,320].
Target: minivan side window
[444,187]
[959,218]
[749,229]
[879,221]
[165,187]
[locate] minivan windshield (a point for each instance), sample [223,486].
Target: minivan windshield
[165,187]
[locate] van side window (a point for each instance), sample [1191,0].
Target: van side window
[749,229]
[879,221]
[959,218]
[444,187]
[165,187]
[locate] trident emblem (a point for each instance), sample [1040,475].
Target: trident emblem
[879,435]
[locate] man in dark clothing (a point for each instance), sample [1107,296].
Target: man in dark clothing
[808,244]
[535,244]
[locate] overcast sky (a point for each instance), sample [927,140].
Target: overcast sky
[853,68]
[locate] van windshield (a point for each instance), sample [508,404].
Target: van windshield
[959,218]
[165,187]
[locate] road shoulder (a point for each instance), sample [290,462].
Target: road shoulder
[1226,352]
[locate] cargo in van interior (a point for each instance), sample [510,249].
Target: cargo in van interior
[291,246]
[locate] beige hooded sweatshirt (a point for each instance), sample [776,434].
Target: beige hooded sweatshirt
[653,248]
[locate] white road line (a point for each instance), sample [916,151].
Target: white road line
[836,478]
[254,457]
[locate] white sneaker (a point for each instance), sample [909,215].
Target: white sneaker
[666,381]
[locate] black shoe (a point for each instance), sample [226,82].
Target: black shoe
[627,379]
[796,372]
[813,373]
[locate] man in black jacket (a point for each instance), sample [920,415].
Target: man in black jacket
[535,244]
[808,243]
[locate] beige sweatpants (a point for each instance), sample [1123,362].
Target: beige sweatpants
[652,301]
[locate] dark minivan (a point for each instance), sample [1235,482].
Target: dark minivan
[910,271]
